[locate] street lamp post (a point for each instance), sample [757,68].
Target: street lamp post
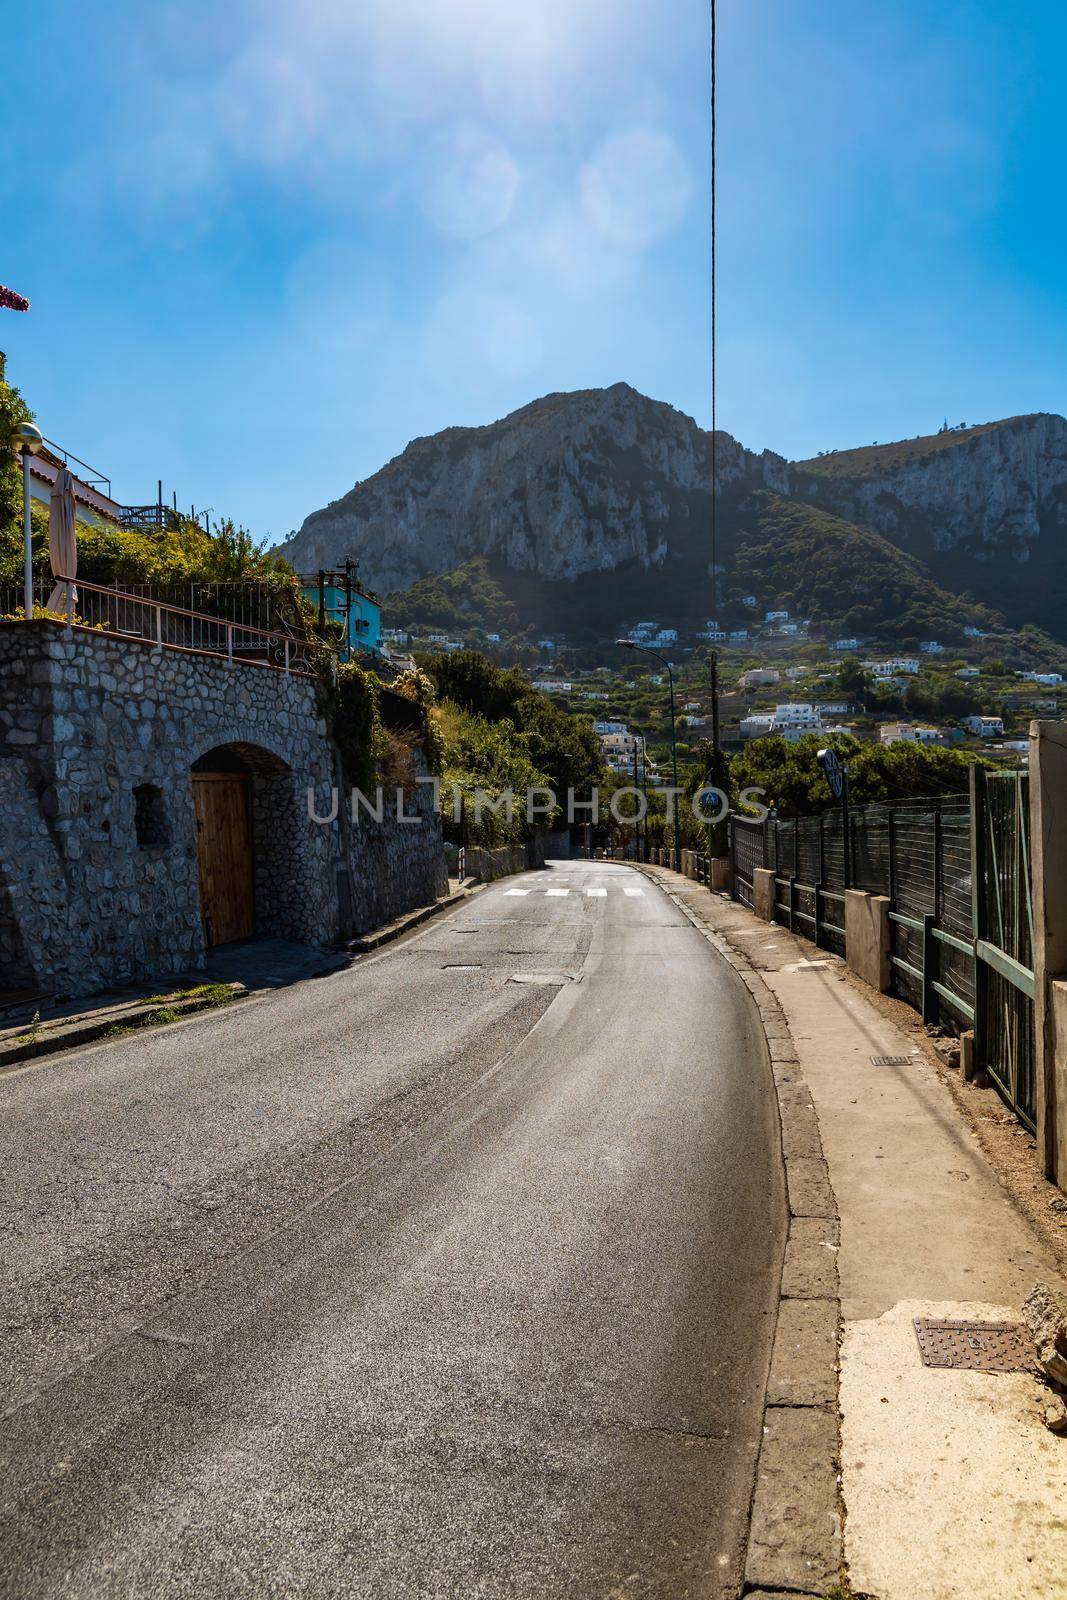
[26,440]
[631,644]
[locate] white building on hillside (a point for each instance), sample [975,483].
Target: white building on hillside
[892,669]
[984,727]
[798,714]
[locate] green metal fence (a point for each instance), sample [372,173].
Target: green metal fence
[957,874]
[1003,919]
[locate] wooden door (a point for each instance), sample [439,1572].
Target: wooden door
[224,849]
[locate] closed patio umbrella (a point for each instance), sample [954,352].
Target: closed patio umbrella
[62,543]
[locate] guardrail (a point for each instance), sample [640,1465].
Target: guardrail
[118,615]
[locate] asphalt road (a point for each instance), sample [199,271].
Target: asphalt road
[415,1280]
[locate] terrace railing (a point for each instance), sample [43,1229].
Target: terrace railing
[122,615]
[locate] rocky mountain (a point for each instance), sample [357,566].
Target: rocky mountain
[601,498]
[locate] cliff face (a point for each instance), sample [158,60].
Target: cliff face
[572,484]
[607,488]
[989,493]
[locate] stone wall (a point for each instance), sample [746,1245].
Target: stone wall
[99,878]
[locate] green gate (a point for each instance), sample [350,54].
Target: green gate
[1003,935]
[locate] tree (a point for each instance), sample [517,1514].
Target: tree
[793,781]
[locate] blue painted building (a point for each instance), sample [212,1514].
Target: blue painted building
[364,613]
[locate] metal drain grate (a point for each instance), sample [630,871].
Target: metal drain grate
[891,1061]
[975,1346]
[558,978]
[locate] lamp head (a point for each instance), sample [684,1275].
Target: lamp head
[626,644]
[25,437]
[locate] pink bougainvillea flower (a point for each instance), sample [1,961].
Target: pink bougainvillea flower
[13,301]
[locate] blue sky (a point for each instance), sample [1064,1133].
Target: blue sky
[268,244]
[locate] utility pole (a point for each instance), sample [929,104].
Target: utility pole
[631,644]
[714,664]
[637,816]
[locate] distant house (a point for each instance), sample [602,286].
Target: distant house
[666,636]
[492,638]
[833,708]
[546,644]
[845,644]
[968,672]
[359,608]
[758,677]
[891,669]
[776,616]
[712,633]
[738,635]
[1049,679]
[931,647]
[750,601]
[554,685]
[789,628]
[796,714]
[909,733]
[984,727]
[755,727]
[694,722]
[973,633]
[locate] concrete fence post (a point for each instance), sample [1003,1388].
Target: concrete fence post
[867,945]
[1048,856]
[763,893]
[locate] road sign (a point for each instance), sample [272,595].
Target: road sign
[835,772]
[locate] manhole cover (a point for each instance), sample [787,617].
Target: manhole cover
[975,1346]
[891,1061]
[558,978]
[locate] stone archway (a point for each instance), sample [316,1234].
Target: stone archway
[254,879]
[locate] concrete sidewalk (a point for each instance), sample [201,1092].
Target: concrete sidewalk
[953,1487]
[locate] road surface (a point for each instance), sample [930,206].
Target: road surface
[451,1274]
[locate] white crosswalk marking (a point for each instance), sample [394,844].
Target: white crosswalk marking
[516,891]
[633,891]
[596,893]
[559,892]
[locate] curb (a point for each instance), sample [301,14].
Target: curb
[795,1533]
[131,1018]
[411,919]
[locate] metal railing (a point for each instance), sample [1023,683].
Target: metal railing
[163,518]
[91,476]
[121,615]
[956,871]
[1003,923]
